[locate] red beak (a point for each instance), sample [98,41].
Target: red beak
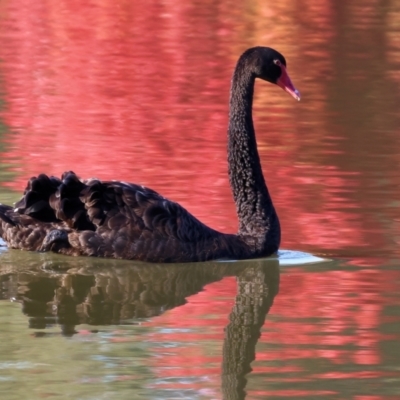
[286,84]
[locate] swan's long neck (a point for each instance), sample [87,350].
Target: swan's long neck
[257,216]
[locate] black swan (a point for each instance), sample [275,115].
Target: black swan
[124,220]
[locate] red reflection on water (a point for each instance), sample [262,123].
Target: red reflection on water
[106,100]
[139,92]
[128,91]
[334,316]
[351,303]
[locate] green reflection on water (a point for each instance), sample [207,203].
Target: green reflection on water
[92,365]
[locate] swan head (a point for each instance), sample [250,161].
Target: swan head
[270,65]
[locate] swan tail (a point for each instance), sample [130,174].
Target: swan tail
[21,231]
[6,222]
[48,206]
[48,199]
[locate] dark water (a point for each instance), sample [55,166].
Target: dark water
[139,92]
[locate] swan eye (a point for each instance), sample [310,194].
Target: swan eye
[277,62]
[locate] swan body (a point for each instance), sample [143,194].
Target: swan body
[124,220]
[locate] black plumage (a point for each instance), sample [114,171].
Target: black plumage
[125,220]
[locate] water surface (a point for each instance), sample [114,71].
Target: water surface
[119,90]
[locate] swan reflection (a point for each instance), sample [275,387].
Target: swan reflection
[70,292]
